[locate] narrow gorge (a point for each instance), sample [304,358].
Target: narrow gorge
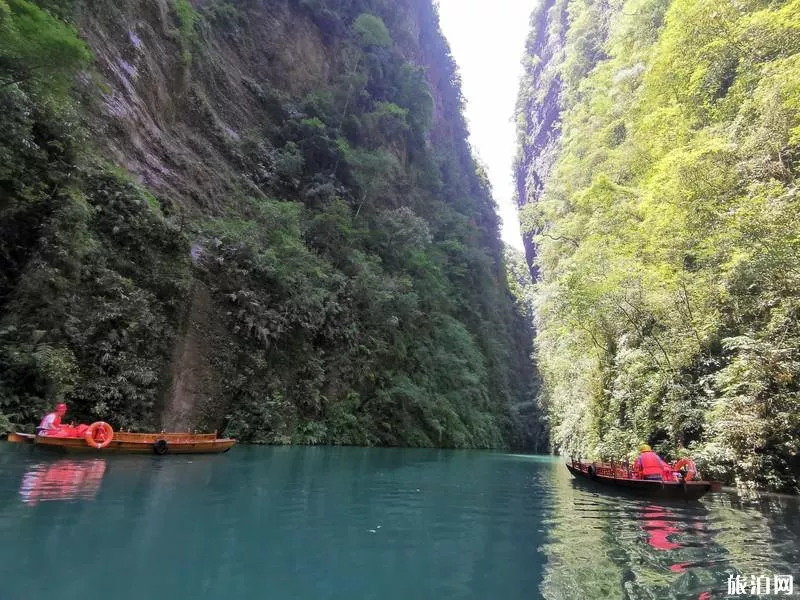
[264,217]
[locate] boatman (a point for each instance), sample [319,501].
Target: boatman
[650,465]
[52,421]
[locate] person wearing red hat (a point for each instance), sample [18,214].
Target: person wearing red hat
[52,422]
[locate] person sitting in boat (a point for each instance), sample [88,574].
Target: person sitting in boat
[650,465]
[52,421]
[52,426]
[685,466]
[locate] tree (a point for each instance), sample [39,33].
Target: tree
[37,47]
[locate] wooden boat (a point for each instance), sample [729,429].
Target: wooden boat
[620,477]
[134,443]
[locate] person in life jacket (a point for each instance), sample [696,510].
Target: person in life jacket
[685,465]
[52,421]
[650,465]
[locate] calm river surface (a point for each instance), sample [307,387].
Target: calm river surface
[349,523]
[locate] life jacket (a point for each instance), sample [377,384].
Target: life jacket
[650,464]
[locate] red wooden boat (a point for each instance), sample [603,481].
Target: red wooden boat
[622,478]
[135,443]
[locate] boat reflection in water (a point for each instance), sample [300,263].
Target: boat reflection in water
[62,480]
[604,545]
[658,528]
[659,522]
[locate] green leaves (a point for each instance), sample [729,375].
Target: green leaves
[37,49]
[187,19]
[667,235]
[371,31]
[94,323]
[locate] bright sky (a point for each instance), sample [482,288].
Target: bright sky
[487,38]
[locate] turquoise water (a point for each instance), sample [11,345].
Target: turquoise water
[347,523]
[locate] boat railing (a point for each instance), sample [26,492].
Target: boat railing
[172,437]
[611,469]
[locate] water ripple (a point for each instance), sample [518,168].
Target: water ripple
[603,545]
[353,523]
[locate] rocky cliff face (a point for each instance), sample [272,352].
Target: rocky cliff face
[553,68]
[269,221]
[539,109]
[179,96]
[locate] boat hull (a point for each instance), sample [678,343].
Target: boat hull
[132,443]
[689,490]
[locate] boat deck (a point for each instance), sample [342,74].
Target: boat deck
[133,443]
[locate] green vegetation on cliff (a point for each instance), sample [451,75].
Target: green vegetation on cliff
[90,270]
[266,217]
[668,234]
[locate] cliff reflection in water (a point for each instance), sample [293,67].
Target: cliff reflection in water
[62,480]
[604,545]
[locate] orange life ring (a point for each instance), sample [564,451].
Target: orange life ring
[99,434]
[691,469]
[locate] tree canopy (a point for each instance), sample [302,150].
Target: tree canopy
[667,235]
